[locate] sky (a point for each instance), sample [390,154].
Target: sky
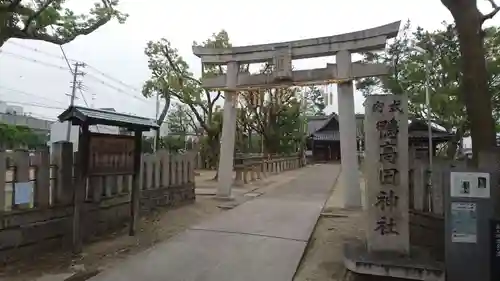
[33,74]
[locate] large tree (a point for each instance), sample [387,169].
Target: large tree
[172,79]
[445,76]
[275,115]
[469,21]
[50,21]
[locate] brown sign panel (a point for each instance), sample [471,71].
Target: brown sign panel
[111,154]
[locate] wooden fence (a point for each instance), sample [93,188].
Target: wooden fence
[36,197]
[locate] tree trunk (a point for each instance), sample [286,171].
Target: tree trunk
[477,98]
[160,120]
[451,151]
[213,153]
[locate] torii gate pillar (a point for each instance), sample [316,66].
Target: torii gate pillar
[226,152]
[349,177]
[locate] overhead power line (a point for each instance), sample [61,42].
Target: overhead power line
[117,89]
[64,57]
[30,94]
[34,104]
[38,50]
[91,76]
[112,78]
[32,60]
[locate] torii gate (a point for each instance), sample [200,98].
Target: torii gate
[281,55]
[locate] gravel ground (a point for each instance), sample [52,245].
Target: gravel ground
[323,259]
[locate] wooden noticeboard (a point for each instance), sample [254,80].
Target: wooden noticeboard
[111,154]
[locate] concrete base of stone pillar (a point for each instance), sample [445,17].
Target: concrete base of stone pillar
[224,198]
[358,261]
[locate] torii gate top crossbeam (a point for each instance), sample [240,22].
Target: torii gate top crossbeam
[363,40]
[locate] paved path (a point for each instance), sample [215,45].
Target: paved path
[262,239]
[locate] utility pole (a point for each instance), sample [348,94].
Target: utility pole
[75,85]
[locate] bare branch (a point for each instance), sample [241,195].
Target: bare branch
[491,14]
[176,68]
[192,106]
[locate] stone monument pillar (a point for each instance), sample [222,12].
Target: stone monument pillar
[386,133]
[347,126]
[225,169]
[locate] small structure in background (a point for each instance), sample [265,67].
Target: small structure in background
[106,154]
[58,130]
[323,143]
[419,140]
[323,138]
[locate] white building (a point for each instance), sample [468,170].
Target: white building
[14,115]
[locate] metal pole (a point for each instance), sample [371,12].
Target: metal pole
[72,100]
[156,118]
[429,127]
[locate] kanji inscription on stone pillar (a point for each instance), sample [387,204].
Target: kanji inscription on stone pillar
[282,63]
[386,166]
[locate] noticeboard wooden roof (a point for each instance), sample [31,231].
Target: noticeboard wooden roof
[82,115]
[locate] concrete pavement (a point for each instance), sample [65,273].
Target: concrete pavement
[262,239]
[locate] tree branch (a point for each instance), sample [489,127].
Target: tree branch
[491,14]
[164,111]
[35,15]
[20,34]
[176,68]
[9,7]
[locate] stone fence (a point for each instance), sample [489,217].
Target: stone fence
[240,158]
[252,169]
[427,204]
[36,198]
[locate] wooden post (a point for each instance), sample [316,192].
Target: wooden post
[134,204]
[80,185]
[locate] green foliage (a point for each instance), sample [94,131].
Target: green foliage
[315,101]
[172,143]
[176,143]
[447,102]
[181,120]
[276,119]
[172,79]
[13,137]
[445,78]
[51,21]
